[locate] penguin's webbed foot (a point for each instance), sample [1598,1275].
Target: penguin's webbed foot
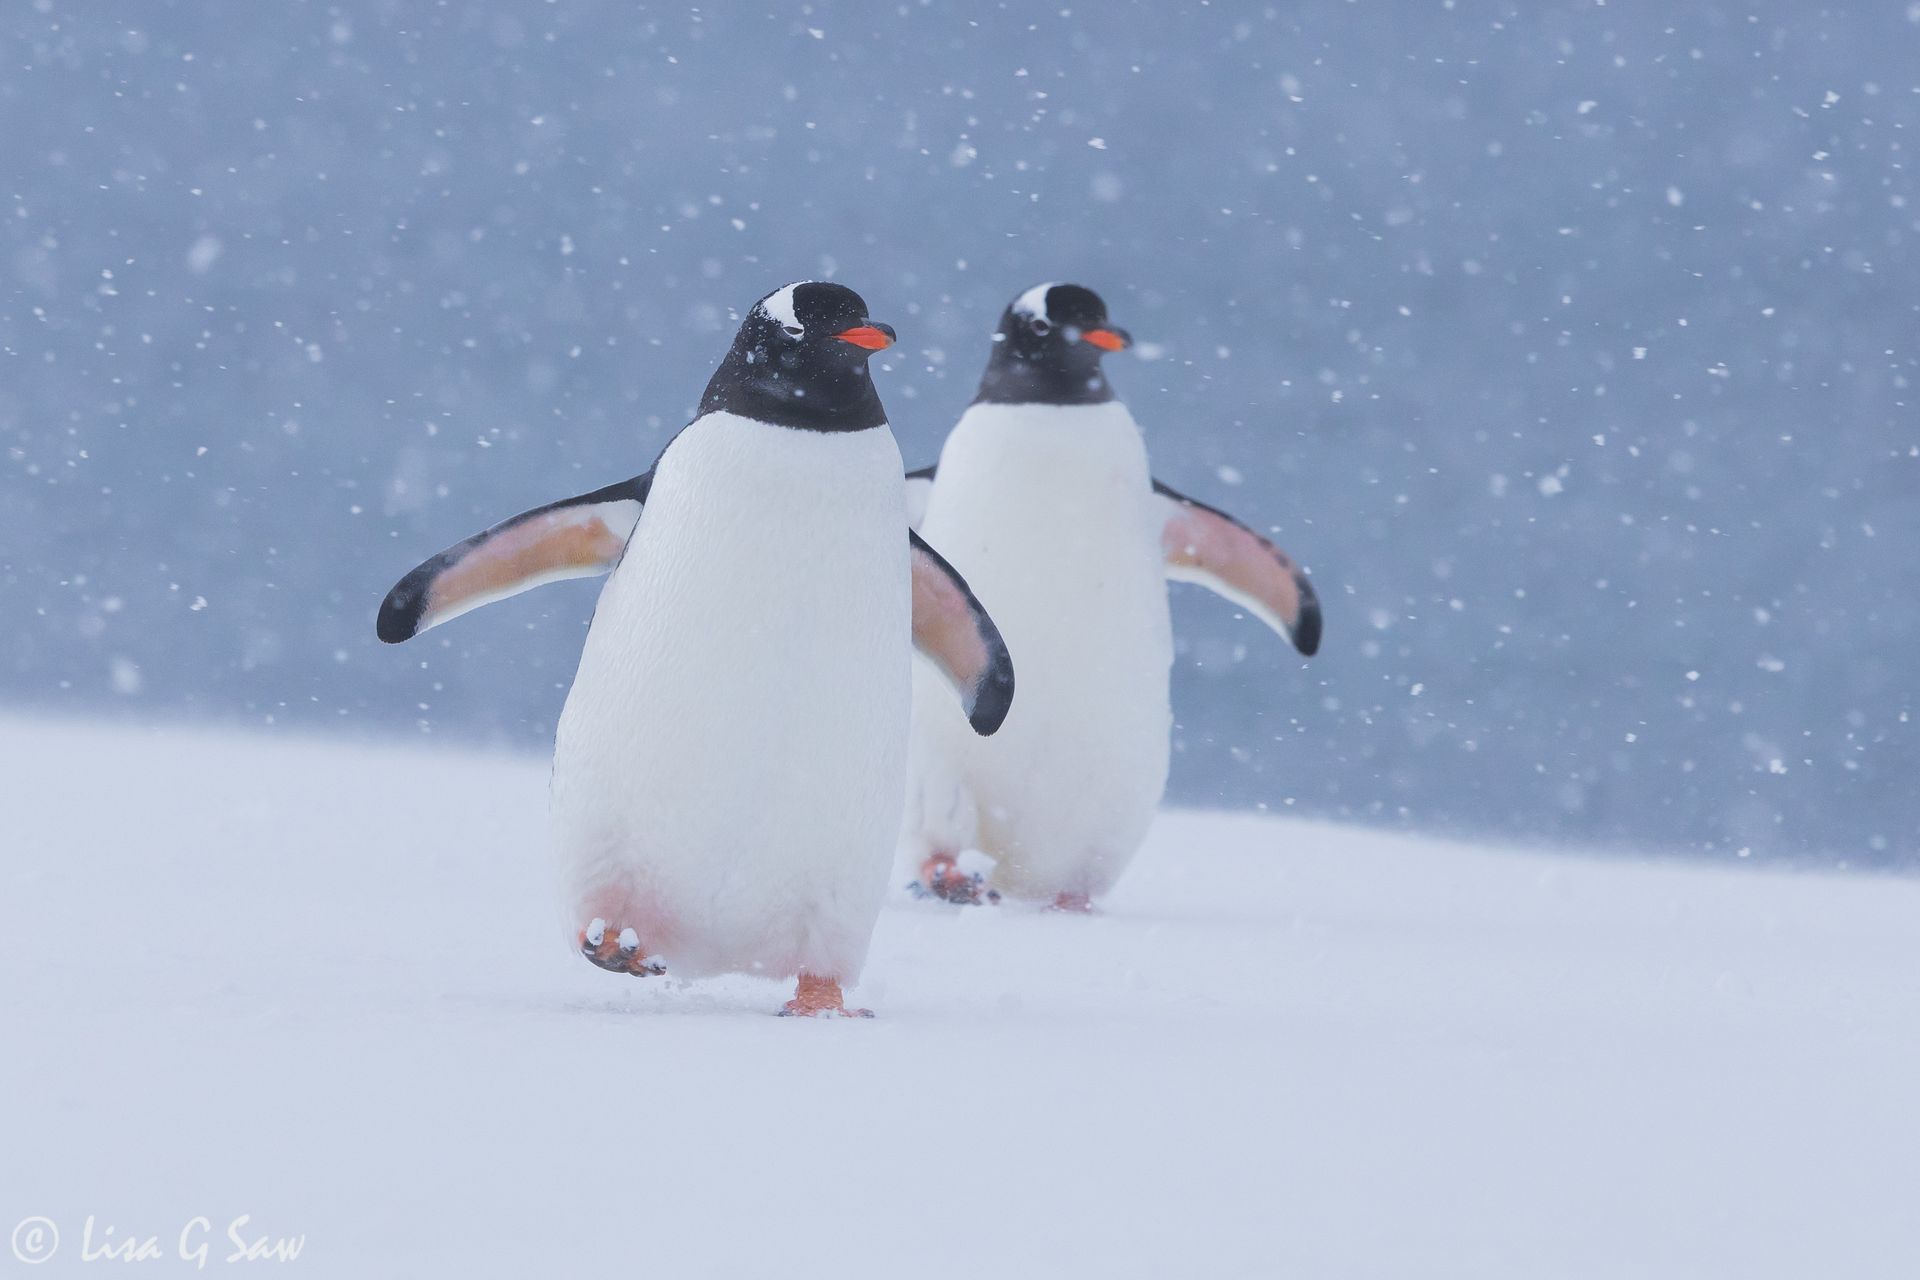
[618,951]
[1078,904]
[942,876]
[815,997]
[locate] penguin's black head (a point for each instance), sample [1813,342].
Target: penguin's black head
[1048,348]
[800,360]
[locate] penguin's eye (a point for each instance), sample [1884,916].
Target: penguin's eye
[1041,327]
[792,330]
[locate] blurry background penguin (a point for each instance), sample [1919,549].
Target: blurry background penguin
[1043,498]
[728,768]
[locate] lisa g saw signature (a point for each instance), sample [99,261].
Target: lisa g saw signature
[37,1240]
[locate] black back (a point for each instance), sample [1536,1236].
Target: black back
[807,379]
[1039,356]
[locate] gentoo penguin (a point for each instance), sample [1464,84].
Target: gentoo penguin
[729,766]
[1043,499]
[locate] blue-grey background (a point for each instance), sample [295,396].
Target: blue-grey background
[1570,345]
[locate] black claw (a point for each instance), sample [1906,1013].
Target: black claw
[961,890]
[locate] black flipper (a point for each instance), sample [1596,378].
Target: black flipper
[573,538]
[1204,544]
[952,629]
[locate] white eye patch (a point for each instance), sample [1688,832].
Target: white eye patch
[1033,303]
[779,308]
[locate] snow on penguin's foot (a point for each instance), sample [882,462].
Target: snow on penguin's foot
[961,880]
[1076,904]
[618,951]
[820,998]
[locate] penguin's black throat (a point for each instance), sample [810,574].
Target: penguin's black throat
[800,360]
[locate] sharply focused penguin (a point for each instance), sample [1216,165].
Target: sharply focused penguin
[728,770]
[1043,499]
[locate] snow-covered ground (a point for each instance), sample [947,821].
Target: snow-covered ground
[327,987]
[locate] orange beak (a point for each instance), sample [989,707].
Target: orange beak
[1106,339]
[872,337]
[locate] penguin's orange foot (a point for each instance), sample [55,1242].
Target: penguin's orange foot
[820,998]
[942,877]
[618,951]
[1078,904]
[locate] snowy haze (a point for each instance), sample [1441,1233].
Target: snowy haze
[1568,345]
[1285,1049]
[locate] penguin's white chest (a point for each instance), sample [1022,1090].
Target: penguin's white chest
[1047,511]
[729,765]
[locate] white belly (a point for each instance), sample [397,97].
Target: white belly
[731,758]
[1047,512]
